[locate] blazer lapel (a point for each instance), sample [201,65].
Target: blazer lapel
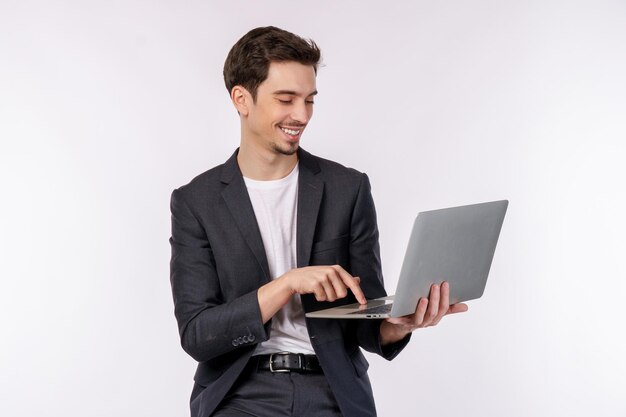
[310,191]
[235,194]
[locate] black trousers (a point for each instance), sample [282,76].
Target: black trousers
[290,394]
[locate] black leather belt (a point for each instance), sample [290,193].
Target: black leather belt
[288,362]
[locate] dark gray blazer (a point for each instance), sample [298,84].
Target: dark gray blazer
[218,263]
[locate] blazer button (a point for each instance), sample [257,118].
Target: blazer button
[239,340]
[251,338]
[245,339]
[235,343]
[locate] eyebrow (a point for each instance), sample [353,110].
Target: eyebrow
[292,93]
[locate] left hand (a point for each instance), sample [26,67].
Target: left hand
[428,313]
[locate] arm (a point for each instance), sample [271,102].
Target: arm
[208,325]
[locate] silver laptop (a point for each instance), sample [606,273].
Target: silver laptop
[453,244]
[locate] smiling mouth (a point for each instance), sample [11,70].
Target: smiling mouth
[291,132]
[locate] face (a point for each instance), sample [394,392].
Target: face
[283,107]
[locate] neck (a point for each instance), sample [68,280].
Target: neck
[264,164]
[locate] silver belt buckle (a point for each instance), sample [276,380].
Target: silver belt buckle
[280,370]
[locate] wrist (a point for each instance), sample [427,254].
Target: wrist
[273,296]
[286,285]
[391,333]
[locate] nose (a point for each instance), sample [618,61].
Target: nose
[301,112]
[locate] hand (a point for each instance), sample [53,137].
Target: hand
[429,312]
[327,283]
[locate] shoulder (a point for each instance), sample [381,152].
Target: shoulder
[200,190]
[203,181]
[208,184]
[331,171]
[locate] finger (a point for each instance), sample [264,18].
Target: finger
[444,302]
[458,308]
[433,305]
[338,286]
[353,284]
[420,312]
[320,294]
[326,282]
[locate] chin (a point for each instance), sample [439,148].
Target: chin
[288,149]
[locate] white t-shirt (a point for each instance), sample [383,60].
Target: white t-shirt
[275,206]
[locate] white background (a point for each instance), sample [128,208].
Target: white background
[105,107]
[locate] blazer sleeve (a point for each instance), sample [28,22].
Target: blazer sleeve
[208,325]
[365,263]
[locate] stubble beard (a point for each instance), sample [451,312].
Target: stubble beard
[290,150]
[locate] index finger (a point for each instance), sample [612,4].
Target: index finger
[352,283]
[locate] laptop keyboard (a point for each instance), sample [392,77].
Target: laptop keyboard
[384,309]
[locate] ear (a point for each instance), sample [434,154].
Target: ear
[241,99]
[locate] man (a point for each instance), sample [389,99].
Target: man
[269,235]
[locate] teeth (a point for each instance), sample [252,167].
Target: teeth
[290,131]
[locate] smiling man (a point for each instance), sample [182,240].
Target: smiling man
[274,118]
[272,233]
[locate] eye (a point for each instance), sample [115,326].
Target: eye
[310,102]
[285,101]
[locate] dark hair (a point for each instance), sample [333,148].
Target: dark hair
[248,61]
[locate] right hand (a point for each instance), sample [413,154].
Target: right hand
[327,283]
